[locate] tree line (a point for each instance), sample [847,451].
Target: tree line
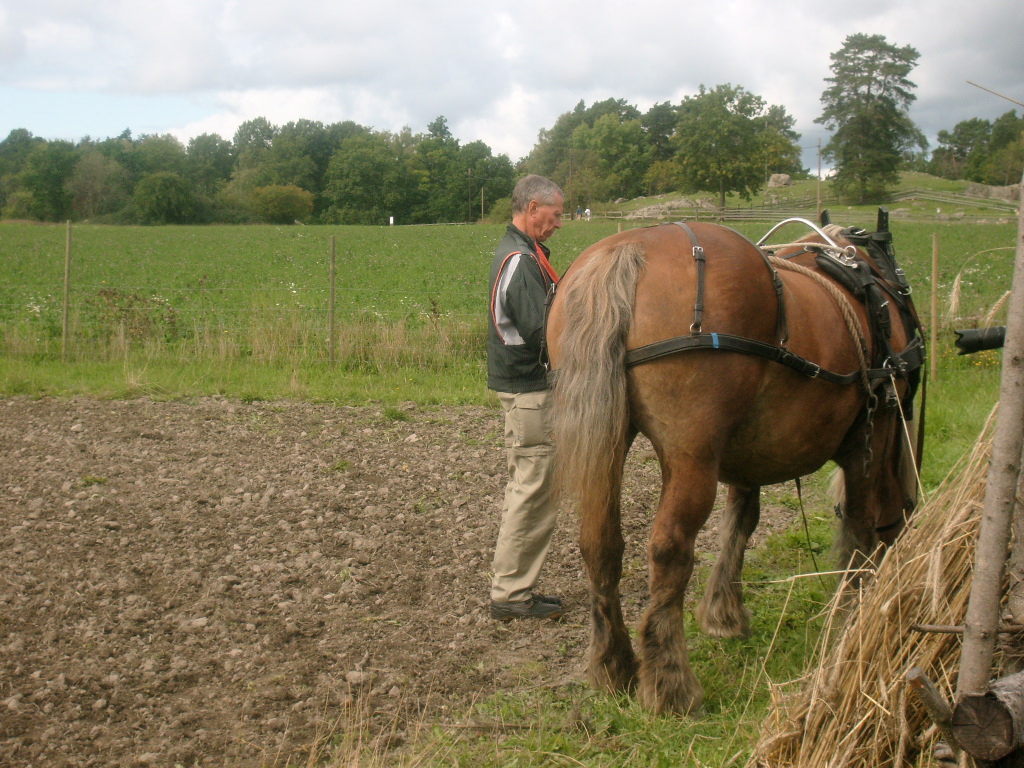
[983,151]
[722,140]
[304,171]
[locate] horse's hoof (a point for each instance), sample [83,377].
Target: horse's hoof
[613,678]
[728,631]
[673,702]
[725,627]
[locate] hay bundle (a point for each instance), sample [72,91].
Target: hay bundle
[852,707]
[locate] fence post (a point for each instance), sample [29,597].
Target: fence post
[934,349]
[330,310]
[67,296]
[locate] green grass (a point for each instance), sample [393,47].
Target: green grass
[240,299]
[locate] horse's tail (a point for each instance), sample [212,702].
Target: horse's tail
[591,398]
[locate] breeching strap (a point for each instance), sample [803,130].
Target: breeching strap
[698,257]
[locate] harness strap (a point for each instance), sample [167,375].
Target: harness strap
[781,328]
[701,261]
[909,360]
[912,356]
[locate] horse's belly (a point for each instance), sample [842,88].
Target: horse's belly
[775,445]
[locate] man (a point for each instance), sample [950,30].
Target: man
[521,277]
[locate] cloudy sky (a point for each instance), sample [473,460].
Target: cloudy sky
[499,72]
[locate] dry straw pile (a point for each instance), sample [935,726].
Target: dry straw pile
[853,707]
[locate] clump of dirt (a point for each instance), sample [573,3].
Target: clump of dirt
[215,582]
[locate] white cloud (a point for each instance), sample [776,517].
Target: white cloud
[497,73]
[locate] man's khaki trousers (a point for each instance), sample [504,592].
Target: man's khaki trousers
[530,507]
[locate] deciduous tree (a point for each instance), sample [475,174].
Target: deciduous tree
[164,198]
[367,182]
[252,141]
[282,204]
[209,162]
[612,158]
[98,185]
[47,170]
[722,138]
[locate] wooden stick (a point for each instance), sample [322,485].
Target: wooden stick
[936,705]
[934,373]
[331,331]
[947,629]
[66,320]
[982,618]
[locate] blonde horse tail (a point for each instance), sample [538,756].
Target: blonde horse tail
[590,391]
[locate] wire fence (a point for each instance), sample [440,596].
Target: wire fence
[352,324]
[393,297]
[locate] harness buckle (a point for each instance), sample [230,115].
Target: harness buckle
[892,398]
[905,287]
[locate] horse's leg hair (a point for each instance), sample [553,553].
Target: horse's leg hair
[722,613]
[612,665]
[667,683]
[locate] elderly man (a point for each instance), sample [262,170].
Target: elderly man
[521,278]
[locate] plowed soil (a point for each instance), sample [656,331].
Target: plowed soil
[223,583]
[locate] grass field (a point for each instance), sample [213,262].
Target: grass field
[243,312]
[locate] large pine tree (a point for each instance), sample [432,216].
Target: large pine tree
[866,108]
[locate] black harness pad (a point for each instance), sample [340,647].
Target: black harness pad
[854,278]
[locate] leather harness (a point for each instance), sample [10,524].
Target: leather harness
[866,284]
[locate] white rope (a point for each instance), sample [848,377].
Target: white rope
[909,441]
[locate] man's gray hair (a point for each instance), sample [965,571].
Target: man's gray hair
[534,187]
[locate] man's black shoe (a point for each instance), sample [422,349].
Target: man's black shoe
[525,609]
[547,599]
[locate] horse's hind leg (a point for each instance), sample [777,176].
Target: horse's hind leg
[722,613]
[667,683]
[612,665]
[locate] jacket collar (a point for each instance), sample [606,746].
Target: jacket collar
[534,245]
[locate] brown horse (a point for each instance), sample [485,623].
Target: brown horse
[748,413]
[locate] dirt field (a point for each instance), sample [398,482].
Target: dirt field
[216,583]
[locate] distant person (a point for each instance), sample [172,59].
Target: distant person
[586,214]
[521,278]
[579,212]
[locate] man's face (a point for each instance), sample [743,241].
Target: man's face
[542,220]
